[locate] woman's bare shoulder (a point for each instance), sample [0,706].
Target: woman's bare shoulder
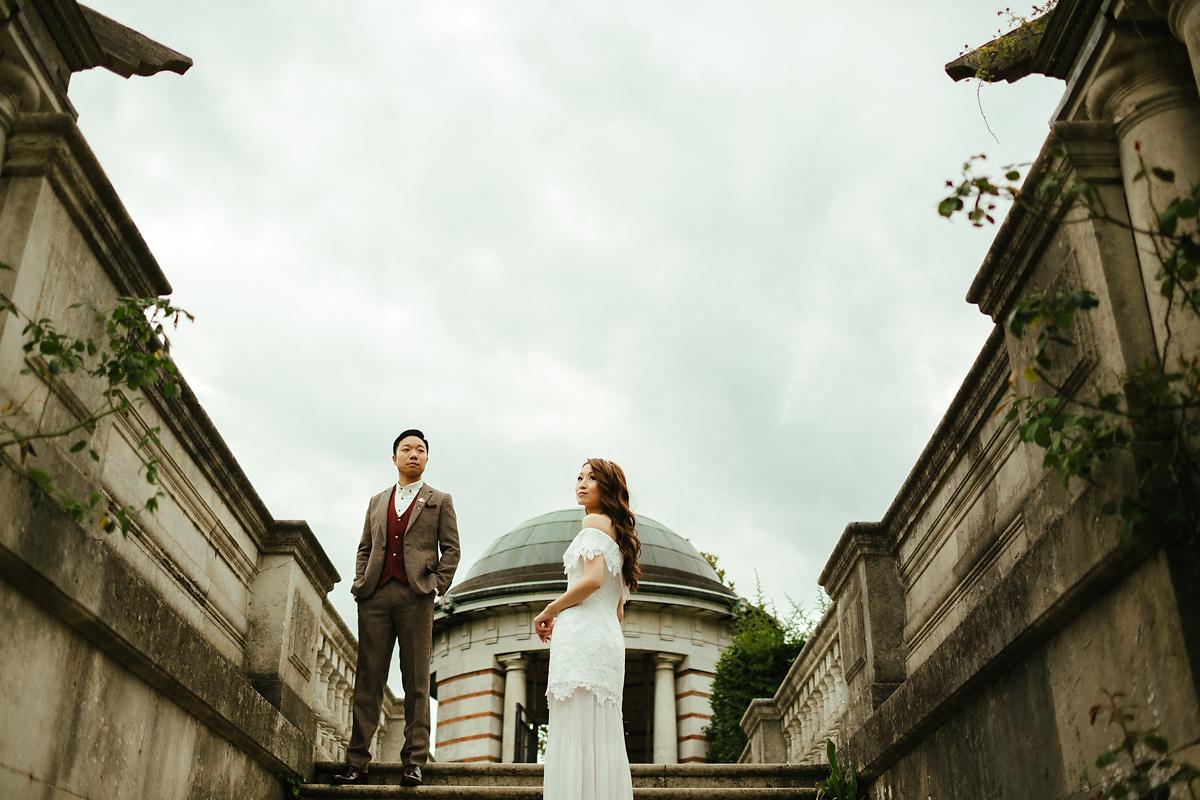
[600,522]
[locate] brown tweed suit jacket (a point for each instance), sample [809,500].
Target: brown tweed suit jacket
[430,544]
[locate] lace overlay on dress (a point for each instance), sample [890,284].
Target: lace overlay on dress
[587,649]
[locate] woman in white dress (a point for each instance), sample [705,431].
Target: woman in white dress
[585,748]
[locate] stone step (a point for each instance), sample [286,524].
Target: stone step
[313,791]
[663,776]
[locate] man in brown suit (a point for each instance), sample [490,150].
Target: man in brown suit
[407,555]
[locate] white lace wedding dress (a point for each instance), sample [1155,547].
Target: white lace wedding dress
[585,748]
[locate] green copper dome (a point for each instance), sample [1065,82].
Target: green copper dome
[529,558]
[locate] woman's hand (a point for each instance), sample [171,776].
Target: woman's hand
[543,623]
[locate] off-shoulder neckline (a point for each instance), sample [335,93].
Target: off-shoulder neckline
[597,530]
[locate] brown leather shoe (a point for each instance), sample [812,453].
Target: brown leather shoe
[410,775]
[350,774]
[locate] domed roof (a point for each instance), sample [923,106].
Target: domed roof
[529,558]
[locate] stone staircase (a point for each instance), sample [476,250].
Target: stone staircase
[524,782]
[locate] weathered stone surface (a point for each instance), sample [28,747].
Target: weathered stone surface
[1020,603]
[74,576]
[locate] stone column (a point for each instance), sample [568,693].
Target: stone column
[514,692]
[1184,19]
[666,731]
[1146,88]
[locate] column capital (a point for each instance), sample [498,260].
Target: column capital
[1144,77]
[513,661]
[1177,13]
[667,660]
[18,92]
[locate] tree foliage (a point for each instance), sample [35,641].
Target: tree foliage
[762,650]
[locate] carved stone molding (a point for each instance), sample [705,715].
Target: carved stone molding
[1145,79]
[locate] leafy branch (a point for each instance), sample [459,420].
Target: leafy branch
[1152,416]
[130,355]
[1139,765]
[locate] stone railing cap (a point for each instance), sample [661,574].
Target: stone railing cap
[761,709]
[858,539]
[295,537]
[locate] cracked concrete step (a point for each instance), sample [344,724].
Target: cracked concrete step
[696,776]
[314,791]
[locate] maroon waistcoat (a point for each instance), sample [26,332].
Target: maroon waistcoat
[393,559]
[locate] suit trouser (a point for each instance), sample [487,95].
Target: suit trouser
[393,614]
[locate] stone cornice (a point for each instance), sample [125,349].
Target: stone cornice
[1065,35]
[208,450]
[127,52]
[1087,150]
[858,540]
[971,406]
[1048,45]
[51,146]
[67,25]
[645,590]
[294,537]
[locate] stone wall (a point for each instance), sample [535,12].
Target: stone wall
[982,617]
[180,661]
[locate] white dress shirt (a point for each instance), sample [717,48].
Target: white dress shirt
[405,494]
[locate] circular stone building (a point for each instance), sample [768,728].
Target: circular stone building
[490,667]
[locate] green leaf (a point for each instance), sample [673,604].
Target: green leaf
[1041,436]
[82,443]
[1168,220]
[1012,175]
[42,479]
[1164,175]
[1155,742]
[948,206]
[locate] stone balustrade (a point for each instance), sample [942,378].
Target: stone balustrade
[333,702]
[808,708]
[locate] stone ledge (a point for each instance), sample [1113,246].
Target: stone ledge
[294,537]
[96,594]
[1063,572]
[858,540]
[51,146]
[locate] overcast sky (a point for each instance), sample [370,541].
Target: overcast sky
[697,238]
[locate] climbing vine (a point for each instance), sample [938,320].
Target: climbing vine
[1138,765]
[1149,419]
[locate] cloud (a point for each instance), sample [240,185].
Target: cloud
[696,238]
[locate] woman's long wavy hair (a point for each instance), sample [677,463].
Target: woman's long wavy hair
[614,501]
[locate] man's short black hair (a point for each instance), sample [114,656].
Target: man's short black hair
[407,433]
